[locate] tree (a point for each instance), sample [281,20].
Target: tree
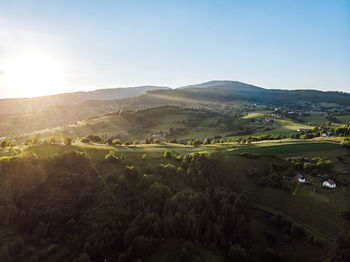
[112,158]
[68,141]
[206,141]
[116,142]
[83,257]
[342,247]
[109,141]
[167,154]
[85,140]
[7,143]
[17,245]
[236,253]
[94,138]
[297,230]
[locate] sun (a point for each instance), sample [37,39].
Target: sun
[33,73]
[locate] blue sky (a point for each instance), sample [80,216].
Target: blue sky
[273,44]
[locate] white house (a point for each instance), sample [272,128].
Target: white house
[300,178]
[329,183]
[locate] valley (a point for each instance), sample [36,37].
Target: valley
[242,178]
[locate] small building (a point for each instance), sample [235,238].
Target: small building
[329,183]
[302,130]
[300,178]
[160,136]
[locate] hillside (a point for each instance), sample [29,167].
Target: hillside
[226,91]
[28,105]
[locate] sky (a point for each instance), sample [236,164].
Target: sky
[49,47]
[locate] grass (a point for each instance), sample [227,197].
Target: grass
[257,114]
[344,119]
[286,148]
[319,212]
[289,124]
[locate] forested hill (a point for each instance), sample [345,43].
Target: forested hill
[21,105]
[232,90]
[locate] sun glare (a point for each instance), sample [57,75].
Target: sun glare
[33,73]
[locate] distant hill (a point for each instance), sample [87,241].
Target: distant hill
[225,91]
[22,105]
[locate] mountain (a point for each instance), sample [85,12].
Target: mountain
[22,105]
[226,91]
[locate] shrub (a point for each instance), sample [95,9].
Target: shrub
[143,157]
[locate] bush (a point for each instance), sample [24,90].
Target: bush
[143,157]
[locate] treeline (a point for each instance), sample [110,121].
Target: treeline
[312,166]
[7,143]
[342,131]
[283,174]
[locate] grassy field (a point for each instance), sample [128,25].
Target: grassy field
[285,148]
[344,119]
[257,114]
[320,212]
[139,125]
